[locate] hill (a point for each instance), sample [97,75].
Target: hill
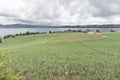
[59,26]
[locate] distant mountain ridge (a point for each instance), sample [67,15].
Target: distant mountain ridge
[64,26]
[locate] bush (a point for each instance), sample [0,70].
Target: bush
[88,30]
[79,30]
[74,30]
[13,36]
[1,40]
[27,33]
[17,34]
[4,37]
[21,34]
[50,32]
[69,30]
[112,30]
[98,31]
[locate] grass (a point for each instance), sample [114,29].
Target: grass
[65,56]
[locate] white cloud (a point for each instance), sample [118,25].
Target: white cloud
[60,11]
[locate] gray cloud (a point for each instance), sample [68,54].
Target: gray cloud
[105,8]
[60,11]
[7,15]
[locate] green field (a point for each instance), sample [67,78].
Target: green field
[65,56]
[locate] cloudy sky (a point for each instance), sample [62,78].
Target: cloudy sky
[60,11]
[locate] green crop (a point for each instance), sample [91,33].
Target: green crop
[65,56]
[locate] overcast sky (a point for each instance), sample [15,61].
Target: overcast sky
[60,11]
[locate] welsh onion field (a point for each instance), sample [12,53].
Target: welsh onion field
[65,56]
